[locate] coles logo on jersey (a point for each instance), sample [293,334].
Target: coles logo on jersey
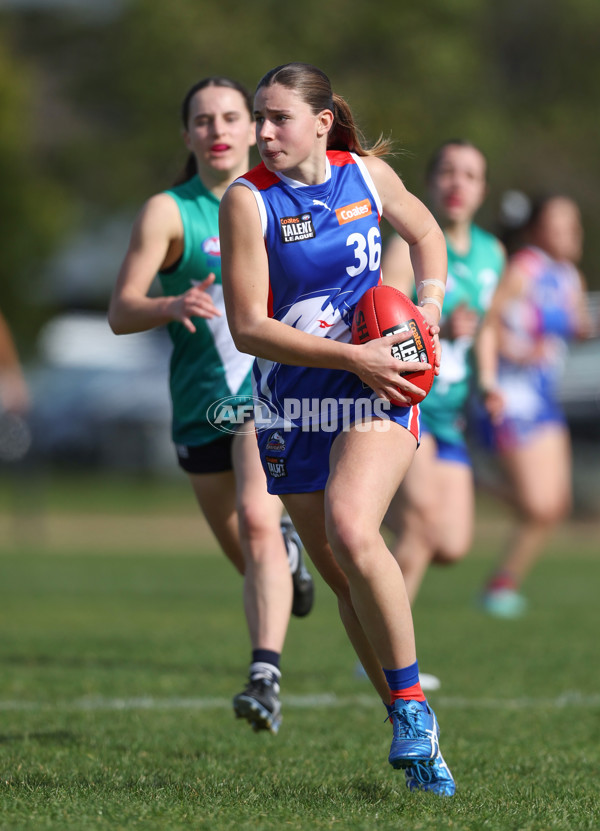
[276,467]
[354,211]
[297,228]
[212,246]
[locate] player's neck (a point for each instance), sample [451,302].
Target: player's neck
[217,181]
[459,236]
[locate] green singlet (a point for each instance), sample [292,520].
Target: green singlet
[472,279]
[205,365]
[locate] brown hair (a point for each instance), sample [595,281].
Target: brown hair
[540,202]
[190,168]
[314,88]
[438,154]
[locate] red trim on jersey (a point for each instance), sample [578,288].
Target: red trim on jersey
[528,259]
[270,299]
[339,158]
[261,177]
[413,421]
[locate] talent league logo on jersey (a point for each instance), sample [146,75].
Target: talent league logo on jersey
[297,228]
[357,210]
[212,246]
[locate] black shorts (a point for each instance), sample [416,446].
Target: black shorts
[214,457]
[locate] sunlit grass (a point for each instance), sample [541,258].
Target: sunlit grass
[118,670]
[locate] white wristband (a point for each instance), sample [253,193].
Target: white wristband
[433,300]
[439,283]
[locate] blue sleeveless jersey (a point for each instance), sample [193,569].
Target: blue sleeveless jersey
[324,248]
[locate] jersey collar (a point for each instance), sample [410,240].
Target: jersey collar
[294,183]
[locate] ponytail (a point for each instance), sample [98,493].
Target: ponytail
[188,171]
[314,88]
[345,134]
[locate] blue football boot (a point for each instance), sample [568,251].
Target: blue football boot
[434,777]
[416,734]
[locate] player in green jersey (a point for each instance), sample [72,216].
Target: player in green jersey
[176,235]
[433,512]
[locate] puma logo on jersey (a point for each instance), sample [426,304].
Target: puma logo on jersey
[323,324]
[322,204]
[297,228]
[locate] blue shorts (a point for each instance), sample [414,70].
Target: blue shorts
[296,460]
[530,401]
[448,451]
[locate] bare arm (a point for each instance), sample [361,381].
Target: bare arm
[156,242]
[426,243]
[14,395]
[245,285]
[488,342]
[416,224]
[396,267]
[584,327]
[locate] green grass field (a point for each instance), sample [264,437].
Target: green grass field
[120,650]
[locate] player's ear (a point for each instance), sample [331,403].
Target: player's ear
[324,122]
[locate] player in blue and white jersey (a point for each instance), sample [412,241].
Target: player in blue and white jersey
[539,306]
[300,245]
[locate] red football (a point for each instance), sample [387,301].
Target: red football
[385,310]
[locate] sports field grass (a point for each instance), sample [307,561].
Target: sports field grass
[121,646]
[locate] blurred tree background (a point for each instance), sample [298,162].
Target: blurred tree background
[90,93]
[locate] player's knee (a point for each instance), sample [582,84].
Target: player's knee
[255,524]
[547,511]
[349,539]
[451,551]
[346,541]
[562,508]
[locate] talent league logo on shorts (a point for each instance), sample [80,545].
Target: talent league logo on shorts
[297,228]
[276,467]
[357,210]
[241,414]
[275,442]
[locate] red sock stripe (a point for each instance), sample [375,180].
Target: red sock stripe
[503,580]
[414,693]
